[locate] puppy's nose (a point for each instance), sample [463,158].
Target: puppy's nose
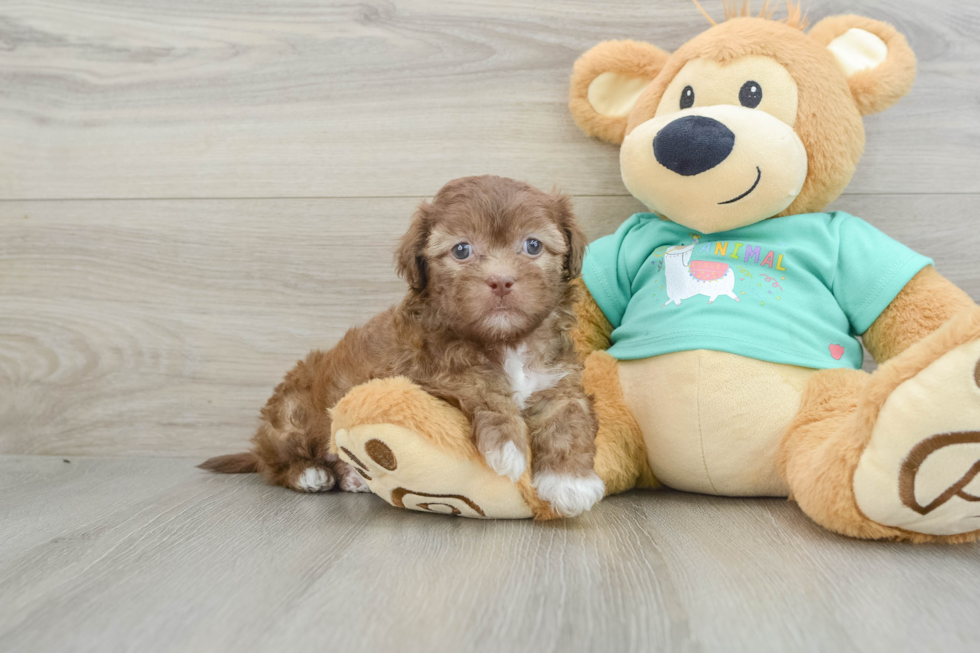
[500,285]
[692,145]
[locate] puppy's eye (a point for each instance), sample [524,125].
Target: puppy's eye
[532,246]
[462,251]
[687,98]
[750,95]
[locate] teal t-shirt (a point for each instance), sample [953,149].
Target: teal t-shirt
[796,290]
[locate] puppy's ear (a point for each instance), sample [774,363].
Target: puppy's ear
[574,237]
[410,260]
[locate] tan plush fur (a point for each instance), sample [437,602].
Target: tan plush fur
[630,58]
[794,13]
[621,456]
[401,402]
[926,303]
[822,447]
[827,120]
[821,450]
[830,106]
[877,90]
[592,329]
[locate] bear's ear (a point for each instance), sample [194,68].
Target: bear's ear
[606,83]
[874,56]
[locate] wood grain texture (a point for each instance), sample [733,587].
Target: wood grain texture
[153,555]
[243,98]
[160,327]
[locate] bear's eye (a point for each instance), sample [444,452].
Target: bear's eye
[462,251]
[532,246]
[687,98]
[750,95]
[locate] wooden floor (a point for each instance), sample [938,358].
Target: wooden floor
[155,555]
[195,193]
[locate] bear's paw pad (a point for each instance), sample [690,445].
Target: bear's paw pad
[921,469]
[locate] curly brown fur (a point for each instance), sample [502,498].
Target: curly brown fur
[489,334]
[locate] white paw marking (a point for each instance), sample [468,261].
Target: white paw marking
[569,495]
[525,380]
[507,461]
[314,479]
[351,481]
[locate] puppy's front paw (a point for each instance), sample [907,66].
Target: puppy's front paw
[569,495]
[507,460]
[498,437]
[314,479]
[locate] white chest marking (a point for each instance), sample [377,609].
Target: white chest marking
[525,380]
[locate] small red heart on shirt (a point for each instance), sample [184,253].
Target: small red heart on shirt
[836,351]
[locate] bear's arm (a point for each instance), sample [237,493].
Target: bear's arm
[592,331]
[926,302]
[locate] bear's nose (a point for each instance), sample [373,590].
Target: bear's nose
[693,144]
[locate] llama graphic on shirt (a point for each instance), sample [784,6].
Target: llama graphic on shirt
[686,278]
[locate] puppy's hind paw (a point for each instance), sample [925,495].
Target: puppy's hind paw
[351,481]
[314,479]
[507,461]
[569,495]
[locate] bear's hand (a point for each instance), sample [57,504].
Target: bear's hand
[592,331]
[926,303]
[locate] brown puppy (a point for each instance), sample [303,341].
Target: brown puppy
[484,326]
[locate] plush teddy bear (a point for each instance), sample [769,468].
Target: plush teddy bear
[720,330]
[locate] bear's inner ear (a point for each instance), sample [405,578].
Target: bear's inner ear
[614,94]
[875,58]
[857,50]
[606,83]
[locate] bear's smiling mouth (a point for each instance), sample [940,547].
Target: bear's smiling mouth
[758,176]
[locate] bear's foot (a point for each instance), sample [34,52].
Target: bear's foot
[920,471]
[415,452]
[409,471]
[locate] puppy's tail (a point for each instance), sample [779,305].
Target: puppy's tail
[234,463]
